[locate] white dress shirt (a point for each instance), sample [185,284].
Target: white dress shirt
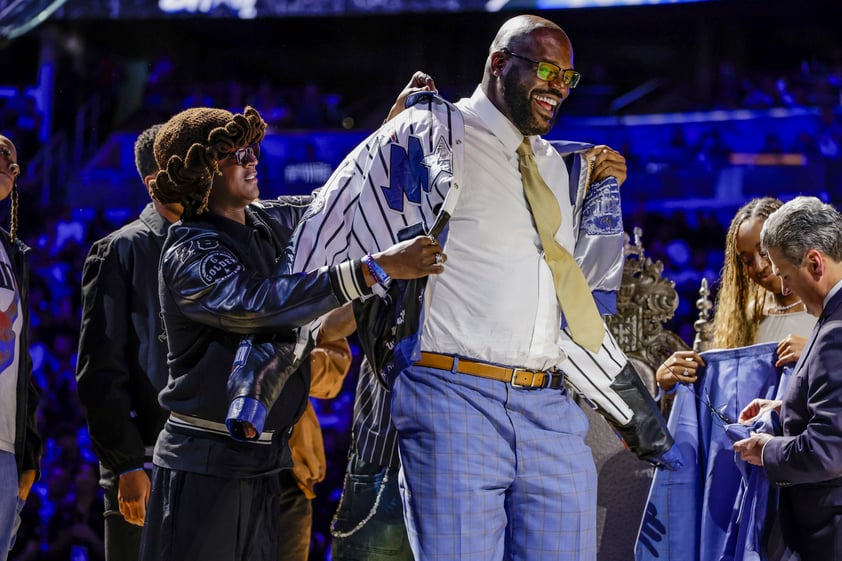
[495,301]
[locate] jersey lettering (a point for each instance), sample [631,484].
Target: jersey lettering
[409,174]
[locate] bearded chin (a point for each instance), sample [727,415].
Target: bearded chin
[520,108]
[539,126]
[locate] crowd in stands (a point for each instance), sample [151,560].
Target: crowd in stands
[304,107]
[813,84]
[21,118]
[690,247]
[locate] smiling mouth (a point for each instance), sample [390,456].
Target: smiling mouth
[763,281]
[548,103]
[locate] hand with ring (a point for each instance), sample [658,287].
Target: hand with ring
[410,259]
[679,368]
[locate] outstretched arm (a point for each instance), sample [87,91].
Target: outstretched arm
[420,82]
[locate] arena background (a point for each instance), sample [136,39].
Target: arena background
[712,103]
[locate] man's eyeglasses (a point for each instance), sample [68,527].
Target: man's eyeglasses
[244,155]
[548,71]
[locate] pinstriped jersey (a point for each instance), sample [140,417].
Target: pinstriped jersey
[408,174]
[398,177]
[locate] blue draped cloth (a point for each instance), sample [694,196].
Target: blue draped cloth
[745,540]
[707,510]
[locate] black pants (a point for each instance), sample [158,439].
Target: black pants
[296,520]
[200,517]
[122,540]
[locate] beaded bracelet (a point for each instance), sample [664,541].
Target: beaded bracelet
[380,276]
[662,392]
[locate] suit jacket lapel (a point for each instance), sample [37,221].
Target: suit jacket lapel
[828,310]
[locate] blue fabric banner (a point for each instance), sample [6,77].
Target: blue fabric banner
[694,513]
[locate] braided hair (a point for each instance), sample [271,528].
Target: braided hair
[188,148]
[739,302]
[14,195]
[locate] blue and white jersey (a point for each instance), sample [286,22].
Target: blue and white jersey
[408,173]
[398,177]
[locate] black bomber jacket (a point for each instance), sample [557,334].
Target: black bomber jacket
[122,362]
[217,284]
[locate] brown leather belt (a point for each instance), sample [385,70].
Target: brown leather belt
[517,377]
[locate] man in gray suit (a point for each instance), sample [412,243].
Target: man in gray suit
[804,242]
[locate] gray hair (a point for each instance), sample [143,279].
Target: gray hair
[802,224]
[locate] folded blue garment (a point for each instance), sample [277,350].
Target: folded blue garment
[769,423]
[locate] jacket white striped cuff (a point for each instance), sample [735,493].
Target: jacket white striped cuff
[349,280]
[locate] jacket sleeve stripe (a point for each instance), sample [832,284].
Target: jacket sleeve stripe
[349,280]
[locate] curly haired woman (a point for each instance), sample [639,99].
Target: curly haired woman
[751,305]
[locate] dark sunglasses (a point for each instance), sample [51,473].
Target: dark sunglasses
[548,71]
[244,155]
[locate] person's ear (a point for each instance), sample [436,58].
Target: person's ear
[498,63]
[815,263]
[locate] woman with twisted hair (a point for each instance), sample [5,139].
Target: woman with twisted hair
[20,445]
[751,305]
[226,300]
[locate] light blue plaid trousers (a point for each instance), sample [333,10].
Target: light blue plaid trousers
[490,472]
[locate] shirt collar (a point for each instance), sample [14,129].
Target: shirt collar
[154,221]
[241,233]
[833,291]
[497,123]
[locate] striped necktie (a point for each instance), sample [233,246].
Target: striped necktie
[571,288]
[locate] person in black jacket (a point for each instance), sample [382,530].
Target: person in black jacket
[20,445]
[122,360]
[223,277]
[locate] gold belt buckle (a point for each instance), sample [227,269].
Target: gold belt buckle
[530,386]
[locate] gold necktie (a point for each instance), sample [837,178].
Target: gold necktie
[571,288]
